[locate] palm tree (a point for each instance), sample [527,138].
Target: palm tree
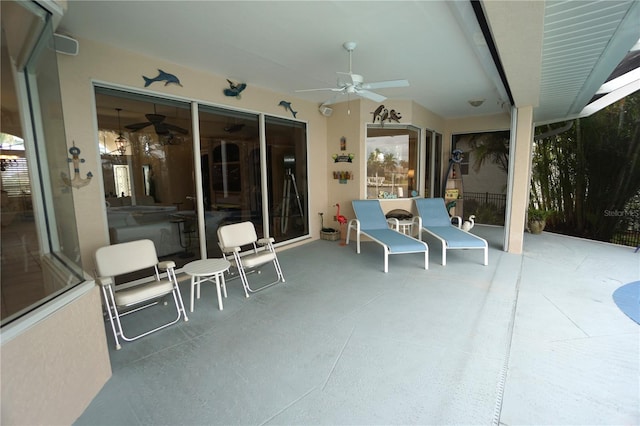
[492,147]
[374,166]
[389,162]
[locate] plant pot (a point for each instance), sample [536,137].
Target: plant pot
[333,235]
[536,226]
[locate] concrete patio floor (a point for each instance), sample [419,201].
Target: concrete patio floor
[530,339]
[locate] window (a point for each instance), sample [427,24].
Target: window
[392,161]
[15,174]
[40,248]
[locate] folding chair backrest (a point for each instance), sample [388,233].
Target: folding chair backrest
[433,212]
[124,258]
[237,234]
[370,214]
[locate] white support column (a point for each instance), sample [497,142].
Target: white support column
[519,178]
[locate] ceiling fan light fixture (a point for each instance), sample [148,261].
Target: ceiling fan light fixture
[349,45]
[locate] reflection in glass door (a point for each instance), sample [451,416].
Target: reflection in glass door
[149,185]
[286,142]
[437,167]
[122,180]
[243,178]
[230,161]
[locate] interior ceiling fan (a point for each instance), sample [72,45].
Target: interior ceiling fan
[157,121]
[353,84]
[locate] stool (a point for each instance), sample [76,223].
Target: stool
[207,270]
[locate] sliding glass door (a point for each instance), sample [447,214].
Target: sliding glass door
[286,143]
[149,173]
[230,162]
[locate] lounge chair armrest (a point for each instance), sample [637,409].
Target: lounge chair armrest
[230,250]
[265,241]
[353,224]
[105,281]
[167,264]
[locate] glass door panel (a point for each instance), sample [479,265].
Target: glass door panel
[230,161]
[149,184]
[437,165]
[286,142]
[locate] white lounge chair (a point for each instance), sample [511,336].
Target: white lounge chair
[435,220]
[371,222]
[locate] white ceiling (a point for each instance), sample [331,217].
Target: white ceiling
[436,45]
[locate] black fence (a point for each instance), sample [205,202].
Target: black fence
[498,200]
[487,207]
[627,238]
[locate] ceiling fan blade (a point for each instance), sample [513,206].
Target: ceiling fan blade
[175,128]
[333,89]
[137,126]
[370,95]
[386,84]
[161,128]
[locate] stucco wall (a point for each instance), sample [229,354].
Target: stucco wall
[51,372]
[100,63]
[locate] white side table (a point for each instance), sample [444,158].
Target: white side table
[406,226]
[207,270]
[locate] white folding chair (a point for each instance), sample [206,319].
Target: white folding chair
[125,258]
[232,238]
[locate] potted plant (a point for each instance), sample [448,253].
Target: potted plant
[537,219]
[330,234]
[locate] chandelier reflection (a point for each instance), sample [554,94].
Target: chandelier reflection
[121,142]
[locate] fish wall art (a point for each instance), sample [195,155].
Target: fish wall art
[162,76]
[287,105]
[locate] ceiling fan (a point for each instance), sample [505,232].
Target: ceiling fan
[157,121]
[353,84]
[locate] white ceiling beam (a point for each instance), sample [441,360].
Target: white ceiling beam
[518,28]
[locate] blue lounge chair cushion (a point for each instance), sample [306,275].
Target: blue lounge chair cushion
[397,242]
[456,238]
[370,214]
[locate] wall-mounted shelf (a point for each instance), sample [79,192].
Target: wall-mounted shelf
[343,176]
